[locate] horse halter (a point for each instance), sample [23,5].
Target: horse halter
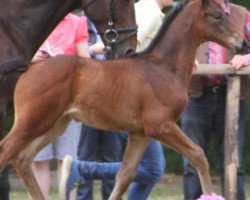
[111,35]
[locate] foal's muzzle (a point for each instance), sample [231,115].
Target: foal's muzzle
[241,48]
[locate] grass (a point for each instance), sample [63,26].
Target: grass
[170,188]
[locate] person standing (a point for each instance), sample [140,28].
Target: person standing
[69,37]
[204,116]
[149,17]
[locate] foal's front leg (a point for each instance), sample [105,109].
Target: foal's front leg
[134,151]
[171,135]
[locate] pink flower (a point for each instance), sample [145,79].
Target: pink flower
[213,196]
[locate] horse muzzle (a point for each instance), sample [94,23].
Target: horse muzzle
[240,46]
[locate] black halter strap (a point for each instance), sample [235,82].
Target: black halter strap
[111,35]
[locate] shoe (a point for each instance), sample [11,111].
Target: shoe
[70,177]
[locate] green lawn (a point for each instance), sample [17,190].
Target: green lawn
[170,188]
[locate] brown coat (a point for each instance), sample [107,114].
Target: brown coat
[237,15]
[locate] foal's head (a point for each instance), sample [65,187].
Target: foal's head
[213,23]
[115,20]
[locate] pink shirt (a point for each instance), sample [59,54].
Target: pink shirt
[66,35]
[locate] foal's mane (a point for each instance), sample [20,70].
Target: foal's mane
[168,19]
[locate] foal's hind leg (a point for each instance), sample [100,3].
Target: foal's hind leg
[22,163]
[134,151]
[171,135]
[10,147]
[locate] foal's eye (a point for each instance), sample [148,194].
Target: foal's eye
[217,16]
[214,17]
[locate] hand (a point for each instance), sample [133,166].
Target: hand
[98,48]
[196,63]
[239,61]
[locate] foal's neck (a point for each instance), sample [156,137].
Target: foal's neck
[177,48]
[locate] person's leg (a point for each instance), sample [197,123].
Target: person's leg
[87,150]
[149,170]
[154,162]
[196,123]
[66,144]
[89,170]
[241,134]
[41,169]
[219,134]
[110,150]
[42,173]
[4,184]
[77,171]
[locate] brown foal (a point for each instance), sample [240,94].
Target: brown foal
[144,95]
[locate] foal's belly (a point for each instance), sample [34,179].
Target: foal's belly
[105,120]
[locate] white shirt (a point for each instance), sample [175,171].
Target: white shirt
[149,18]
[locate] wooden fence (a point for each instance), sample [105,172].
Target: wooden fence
[231,121]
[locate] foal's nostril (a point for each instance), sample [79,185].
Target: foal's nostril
[242,48]
[244,43]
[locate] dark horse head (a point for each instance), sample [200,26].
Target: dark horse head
[25,24]
[119,35]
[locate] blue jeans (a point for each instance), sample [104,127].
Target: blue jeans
[4,184]
[203,118]
[103,144]
[148,173]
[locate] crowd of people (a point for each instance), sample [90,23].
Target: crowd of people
[85,154]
